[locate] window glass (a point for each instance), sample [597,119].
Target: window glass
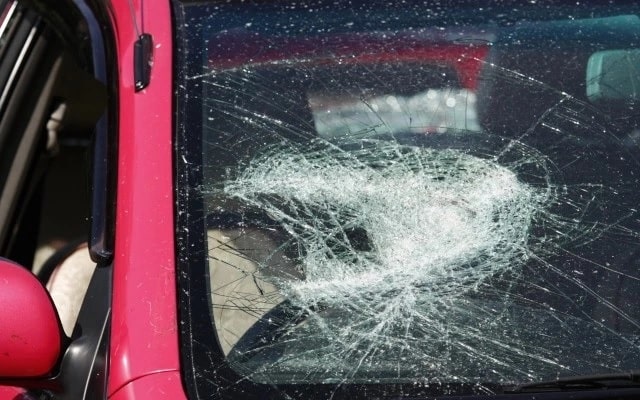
[411,197]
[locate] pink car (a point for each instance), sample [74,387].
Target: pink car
[319,200]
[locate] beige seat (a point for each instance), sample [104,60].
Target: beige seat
[68,285]
[244,266]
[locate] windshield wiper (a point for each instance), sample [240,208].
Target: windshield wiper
[583,382]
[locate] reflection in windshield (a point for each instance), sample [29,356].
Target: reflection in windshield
[365,230]
[433,111]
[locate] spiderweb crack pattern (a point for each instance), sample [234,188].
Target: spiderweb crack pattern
[471,262]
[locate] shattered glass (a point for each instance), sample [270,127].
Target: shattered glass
[420,206]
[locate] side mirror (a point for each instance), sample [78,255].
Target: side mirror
[30,332]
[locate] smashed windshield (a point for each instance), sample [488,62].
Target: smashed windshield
[415,198]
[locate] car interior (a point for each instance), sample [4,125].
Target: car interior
[48,109]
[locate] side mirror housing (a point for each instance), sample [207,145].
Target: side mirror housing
[30,332]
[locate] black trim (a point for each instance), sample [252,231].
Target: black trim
[193,312]
[83,370]
[142,54]
[104,168]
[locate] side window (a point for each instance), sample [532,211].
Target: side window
[23,47]
[52,104]
[48,106]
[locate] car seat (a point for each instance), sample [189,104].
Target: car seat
[67,273]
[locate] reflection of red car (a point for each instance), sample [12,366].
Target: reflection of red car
[270,219]
[243,48]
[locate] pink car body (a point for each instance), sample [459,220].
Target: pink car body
[144,336]
[143,349]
